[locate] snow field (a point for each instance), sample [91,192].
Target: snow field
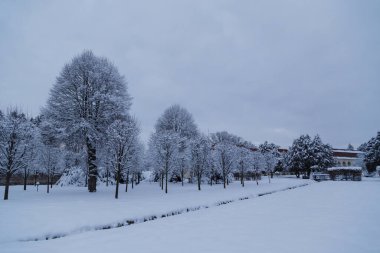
[322,217]
[35,215]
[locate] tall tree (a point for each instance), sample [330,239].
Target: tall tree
[16,133]
[177,119]
[270,154]
[31,156]
[200,157]
[88,95]
[163,152]
[245,161]
[122,145]
[224,150]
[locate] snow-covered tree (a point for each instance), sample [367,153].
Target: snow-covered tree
[323,155]
[31,156]
[16,134]
[177,119]
[200,149]
[270,156]
[224,152]
[257,161]
[371,151]
[50,152]
[350,147]
[135,166]
[88,95]
[245,161]
[122,144]
[50,158]
[163,154]
[306,153]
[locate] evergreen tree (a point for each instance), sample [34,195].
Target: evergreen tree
[371,151]
[306,153]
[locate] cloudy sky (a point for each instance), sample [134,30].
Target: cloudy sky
[263,70]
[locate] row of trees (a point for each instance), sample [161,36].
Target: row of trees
[177,150]
[86,123]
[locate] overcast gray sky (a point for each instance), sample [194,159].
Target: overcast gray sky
[263,70]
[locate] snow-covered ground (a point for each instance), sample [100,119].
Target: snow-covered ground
[67,210]
[321,217]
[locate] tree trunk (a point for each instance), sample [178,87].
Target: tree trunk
[166,181]
[224,180]
[92,169]
[182,175]
[48,182]
[35,177]
[7,182]
[25,179]
[132,179]
[117,182]
[126,182]
[162,181]
[308,173]
[86,179]
[199,177]
[107,177]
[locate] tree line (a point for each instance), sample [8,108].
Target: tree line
[87,124]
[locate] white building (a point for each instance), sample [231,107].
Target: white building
[348,158]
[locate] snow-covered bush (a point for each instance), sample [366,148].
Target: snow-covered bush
[76,176]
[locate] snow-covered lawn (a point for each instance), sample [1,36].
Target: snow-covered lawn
[321,217]
[67,210]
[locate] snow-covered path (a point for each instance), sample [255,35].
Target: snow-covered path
[30,215]
[322,217]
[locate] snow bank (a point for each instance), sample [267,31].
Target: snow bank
[358,169]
